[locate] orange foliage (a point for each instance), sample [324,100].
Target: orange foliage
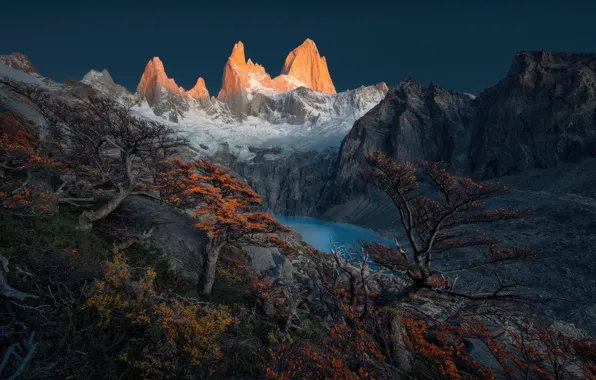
[348,353]
[224,203]
[224,206]
[187,336]
[17,142]
[19,153]
[530,352]
[19,146]
[289,362]
[548,353]
[446,350]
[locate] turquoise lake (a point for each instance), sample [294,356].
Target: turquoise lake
[324,235]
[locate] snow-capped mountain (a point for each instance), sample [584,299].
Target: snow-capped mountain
[298,120]
[299,110]
[102,82]
[248,90]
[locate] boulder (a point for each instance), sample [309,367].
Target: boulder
[183,246]
[269,261]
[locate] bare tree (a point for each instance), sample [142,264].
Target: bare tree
[437,225]
[108,150]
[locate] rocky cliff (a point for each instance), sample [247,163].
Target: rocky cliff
[542,114]
[411,123]
[288,185]
[303,105]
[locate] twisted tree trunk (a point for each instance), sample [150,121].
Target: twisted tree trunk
[87,218]
[211,266]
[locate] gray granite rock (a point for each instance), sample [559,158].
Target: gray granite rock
[269,261]
[543,113]
[288,185]
[183,246]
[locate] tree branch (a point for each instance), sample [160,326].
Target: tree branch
[5,289]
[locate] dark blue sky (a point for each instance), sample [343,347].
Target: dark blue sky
[461,45]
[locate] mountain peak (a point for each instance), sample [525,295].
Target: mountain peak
[237,55]
[102,81]
[382,86]
[19,61]
[103,76]
[154,79]
[310,44]
[242,77]
[306,64]
[199,91]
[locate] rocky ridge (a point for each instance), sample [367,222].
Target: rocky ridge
[242,81]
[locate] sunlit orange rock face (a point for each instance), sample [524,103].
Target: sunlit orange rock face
[18,61]
[199,91]
[306,64]
[155,79]
[285,83]
[243,76]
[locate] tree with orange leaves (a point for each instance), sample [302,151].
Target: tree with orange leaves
[20,156]
[224,207]
[437,225]
[526,350]
[349,352]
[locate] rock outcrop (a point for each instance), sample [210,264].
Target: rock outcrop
[269,261]
[183,246]
[306,64]
[19,62]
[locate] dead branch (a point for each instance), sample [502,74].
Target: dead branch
[5,289]
[27,347]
